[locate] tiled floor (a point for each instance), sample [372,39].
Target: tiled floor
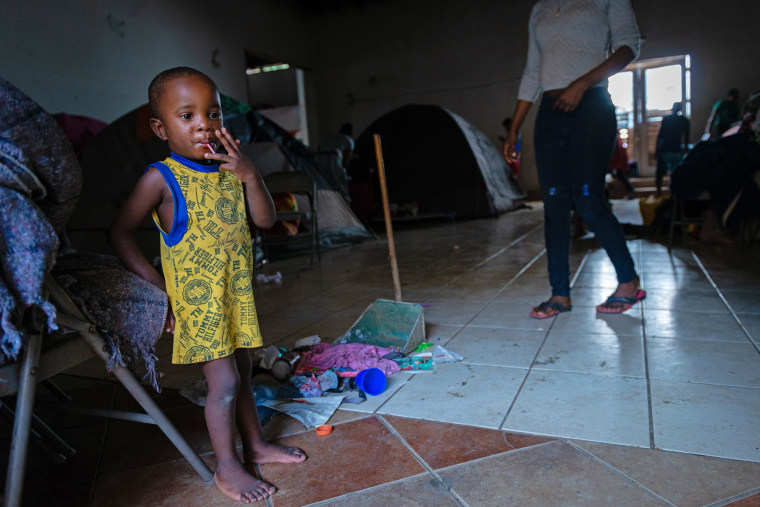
[657,406]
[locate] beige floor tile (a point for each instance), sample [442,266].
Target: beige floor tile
[421,491]
[683,479]
[554,473]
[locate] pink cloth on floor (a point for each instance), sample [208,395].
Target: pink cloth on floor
[349,355]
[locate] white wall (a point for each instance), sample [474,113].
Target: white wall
[96,58]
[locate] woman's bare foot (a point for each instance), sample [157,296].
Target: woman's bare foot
[544,312]
[629,290]
[235,482]
[273,453]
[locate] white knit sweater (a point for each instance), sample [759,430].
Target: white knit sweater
[570,37]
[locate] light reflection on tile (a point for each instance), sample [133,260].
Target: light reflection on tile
[698,300]
[590,407]
[478,395]
[592,353]
[505,315]
[607,280]
[590,321]
[693,325]
[710,362]
[497,346]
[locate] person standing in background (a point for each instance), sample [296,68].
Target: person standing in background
[672,143]
[574,46]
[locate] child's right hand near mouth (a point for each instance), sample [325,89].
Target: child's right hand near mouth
[235,161]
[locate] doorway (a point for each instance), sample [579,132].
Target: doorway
[277,90]
[643,93]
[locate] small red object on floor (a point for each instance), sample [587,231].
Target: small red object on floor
[325,429]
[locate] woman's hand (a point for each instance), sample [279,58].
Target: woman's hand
[571,96]
[510,152]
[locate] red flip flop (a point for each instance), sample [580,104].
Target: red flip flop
[545,306]
[627,303]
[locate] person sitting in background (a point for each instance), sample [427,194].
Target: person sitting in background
[672,142]
[335,152]
[724,113]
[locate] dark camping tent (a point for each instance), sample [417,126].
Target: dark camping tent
[114,160]
[434,157]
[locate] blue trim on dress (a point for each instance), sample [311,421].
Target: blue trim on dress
[179,223]
[211,167]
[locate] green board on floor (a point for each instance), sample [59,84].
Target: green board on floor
[400,326]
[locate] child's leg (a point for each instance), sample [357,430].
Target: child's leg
[255,448]
[231,476]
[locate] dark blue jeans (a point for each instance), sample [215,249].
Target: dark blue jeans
[573,152]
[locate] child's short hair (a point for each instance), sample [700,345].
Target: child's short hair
[156,88]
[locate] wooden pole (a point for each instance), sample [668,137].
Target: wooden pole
[387,216]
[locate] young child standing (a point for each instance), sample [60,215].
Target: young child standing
[198,200]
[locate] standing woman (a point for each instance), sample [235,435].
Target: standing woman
[574,46]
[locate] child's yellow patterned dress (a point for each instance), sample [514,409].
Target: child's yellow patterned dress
[207,262]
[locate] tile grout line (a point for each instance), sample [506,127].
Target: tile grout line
[374,412]
[725,301]
[616,471]
[503,453]
[735,498]
[543,342]
[644,342]
[485,305]
[580,268]
[351,494]
[492,256]
[513,243]
[486,260]
[421,461]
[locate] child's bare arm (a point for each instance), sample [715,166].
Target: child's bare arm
[259,201]
[145,197]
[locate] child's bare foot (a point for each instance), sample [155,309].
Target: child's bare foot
[238,484]
[272,453]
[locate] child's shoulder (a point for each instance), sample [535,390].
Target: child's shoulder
[154,177]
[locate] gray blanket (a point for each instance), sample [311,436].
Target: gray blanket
[40,181]
[28,245]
